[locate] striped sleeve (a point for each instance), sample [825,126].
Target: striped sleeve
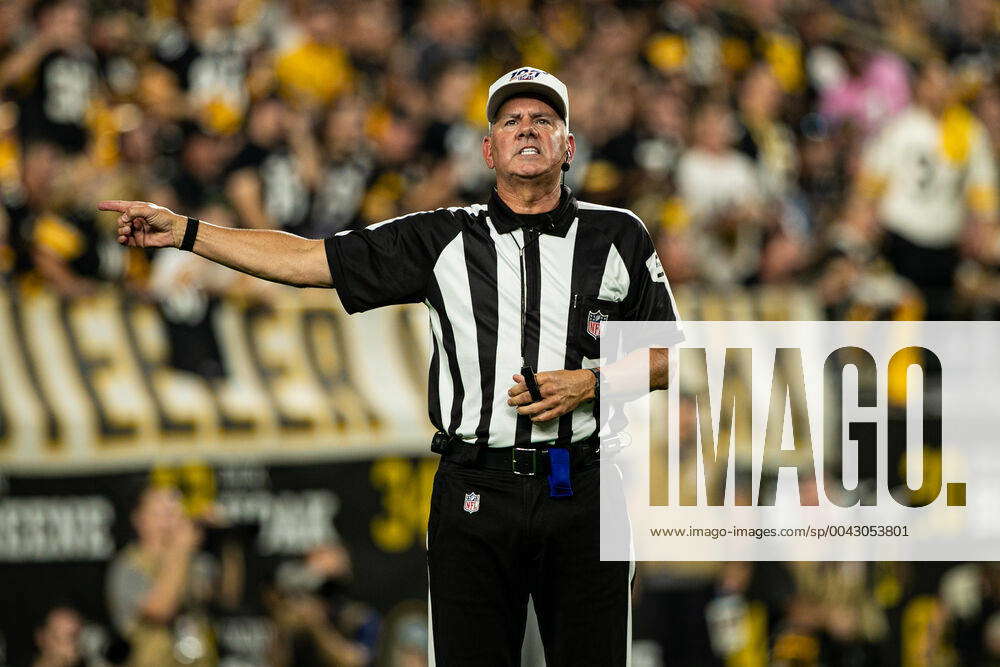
[649,298]
[390,262]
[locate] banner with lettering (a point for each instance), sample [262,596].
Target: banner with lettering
[113,379]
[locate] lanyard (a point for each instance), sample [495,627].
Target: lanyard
[526,370]
[560,485]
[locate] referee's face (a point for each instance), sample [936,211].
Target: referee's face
[527,140]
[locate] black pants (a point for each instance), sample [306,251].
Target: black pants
[484,564]
[932,270]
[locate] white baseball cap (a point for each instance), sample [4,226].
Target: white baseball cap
[528,80]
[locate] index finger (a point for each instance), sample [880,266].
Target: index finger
[114,205]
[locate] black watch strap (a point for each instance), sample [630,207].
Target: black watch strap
[597,381]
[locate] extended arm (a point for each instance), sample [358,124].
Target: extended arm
[165,597]
[272,255]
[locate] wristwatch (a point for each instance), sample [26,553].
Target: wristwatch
[597,382]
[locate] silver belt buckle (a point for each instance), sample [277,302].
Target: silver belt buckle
[514,460]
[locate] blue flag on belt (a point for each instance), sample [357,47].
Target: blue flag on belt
[559,485]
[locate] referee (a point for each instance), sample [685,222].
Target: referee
[516,289]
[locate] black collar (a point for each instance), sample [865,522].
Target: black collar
[556,222]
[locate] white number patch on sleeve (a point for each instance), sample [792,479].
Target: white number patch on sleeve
[656,272]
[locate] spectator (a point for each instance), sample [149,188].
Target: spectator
[55,74]
[53,241]
[859,84]
[316,623]
[158,586]
[115,37]
[662,133]
[446,31]
[721,193]
[450,134]
[763,137]
[928,179]
[315,71]
[397,142]
[968,32]
[404,640]
[58,639]
[372,36]
[271,179]
[347,167]
[209,58]
[198,178]
[187,290]
[690,42]
[821,178]
[70,247]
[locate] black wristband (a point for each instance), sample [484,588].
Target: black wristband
[190,234]
[597,382]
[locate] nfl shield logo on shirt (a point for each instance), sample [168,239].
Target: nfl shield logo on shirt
[471,502]
[594,319]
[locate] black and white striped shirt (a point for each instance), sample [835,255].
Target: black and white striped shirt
[583,263]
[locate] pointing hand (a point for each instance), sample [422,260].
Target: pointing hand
[146,225]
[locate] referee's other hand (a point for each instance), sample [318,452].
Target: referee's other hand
[562,392]
[146,225]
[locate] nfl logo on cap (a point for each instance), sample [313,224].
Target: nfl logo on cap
[471,502]
[529,81]
[525,74]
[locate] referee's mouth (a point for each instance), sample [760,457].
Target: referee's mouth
[529,151]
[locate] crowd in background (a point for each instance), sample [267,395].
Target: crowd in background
[762,141]
[845,145]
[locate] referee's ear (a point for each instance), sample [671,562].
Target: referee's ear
[570,147]
[488,150]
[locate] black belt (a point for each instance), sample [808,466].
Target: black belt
[526,461]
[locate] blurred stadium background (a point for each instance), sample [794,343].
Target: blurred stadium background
[776,149]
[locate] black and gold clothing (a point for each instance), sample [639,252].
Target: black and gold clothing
[213,76]
[89,250]
[20,223]
[285,196]
[339,195]
[54,107]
